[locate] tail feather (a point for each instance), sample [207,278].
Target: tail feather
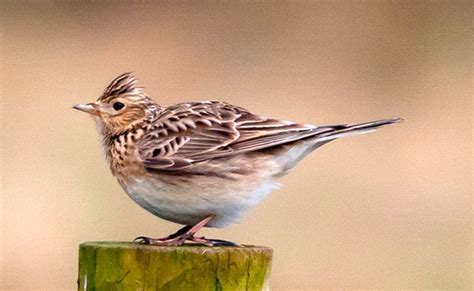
[296,151]
[356,129]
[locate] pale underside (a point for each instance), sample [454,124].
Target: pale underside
[227,188]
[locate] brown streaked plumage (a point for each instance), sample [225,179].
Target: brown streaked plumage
[200,163]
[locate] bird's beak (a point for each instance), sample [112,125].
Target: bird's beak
[90,108]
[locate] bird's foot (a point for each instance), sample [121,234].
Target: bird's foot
[182,239]
[213,242]
[166,241]
[185,234]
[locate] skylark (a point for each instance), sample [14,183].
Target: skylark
[200,163]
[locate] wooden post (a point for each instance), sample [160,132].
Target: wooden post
[132,266]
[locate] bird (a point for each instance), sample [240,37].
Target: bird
[200,163]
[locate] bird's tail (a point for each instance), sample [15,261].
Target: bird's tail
[325,134]
[338,131]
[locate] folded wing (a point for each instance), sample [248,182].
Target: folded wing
[191,132]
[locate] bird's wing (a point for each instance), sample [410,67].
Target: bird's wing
[187,133]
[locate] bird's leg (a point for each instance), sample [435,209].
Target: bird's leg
[204,241]
[179,237]
[181,231]
[149,240]
[186,234]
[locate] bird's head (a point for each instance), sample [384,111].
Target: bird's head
[122,106]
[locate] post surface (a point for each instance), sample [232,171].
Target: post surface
[132,266]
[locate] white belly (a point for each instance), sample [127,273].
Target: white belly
[233,186]
[191,203]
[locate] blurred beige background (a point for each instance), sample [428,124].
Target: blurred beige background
[390,210]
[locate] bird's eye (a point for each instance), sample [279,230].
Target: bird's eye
[118,105]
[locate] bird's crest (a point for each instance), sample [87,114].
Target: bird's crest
[125,84]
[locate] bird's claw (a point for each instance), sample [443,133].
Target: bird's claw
[177,241]
[180,240]
[186,234]
[142,240]
[223,243]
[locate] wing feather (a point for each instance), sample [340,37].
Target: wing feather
[191,132]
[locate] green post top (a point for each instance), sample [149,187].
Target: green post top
[132,266]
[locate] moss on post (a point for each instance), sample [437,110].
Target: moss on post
[131,266]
